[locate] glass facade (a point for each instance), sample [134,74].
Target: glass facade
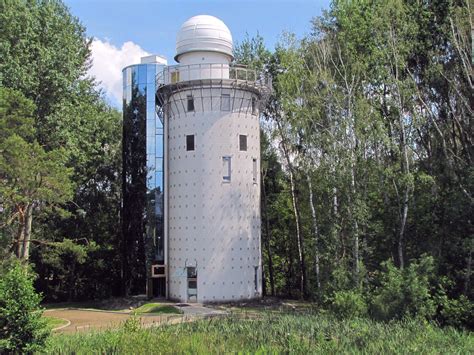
[143,180]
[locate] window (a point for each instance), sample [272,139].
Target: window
[192,281]
[254,106]
[226,167]
[256,278]
[225,102]
[190,103]
[190,142]
[254,170]
[243,142]
[174,77]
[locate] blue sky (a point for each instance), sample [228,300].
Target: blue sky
[125,30]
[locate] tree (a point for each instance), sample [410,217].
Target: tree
[44,54]
[30,178]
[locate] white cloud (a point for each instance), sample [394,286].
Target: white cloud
[108,62]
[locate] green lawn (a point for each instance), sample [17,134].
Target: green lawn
[157,308]
[54,322]
[274,333]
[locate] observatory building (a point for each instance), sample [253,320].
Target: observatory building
[200,210]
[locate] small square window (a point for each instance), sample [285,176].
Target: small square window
[226,169]
[254,106]
[225,102]
[242,142]
[190,142]
[190,103]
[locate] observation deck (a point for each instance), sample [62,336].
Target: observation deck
[175,78]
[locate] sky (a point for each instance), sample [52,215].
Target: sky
[125,30]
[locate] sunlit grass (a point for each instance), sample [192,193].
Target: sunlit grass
[273,333]
[54,322]
[157,308]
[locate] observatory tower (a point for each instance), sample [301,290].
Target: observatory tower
[209,107]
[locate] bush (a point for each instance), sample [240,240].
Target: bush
[348,304]
[22,329]
[404,293]
[456,312]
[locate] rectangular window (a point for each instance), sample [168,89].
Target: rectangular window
[174,77]
[190,142]
[190,103]
[254,106]
[243,142]
[256,278]
[225,102]
[192,281]
[254,170]
[226,168]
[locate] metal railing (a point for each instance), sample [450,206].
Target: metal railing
[175,74]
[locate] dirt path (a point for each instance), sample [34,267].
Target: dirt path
[83,320]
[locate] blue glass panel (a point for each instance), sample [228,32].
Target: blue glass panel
[150,111]
[142,89]
[150,73]
[128,76]
[150,129]
[159,180]
[128,94]
[159,164]
[151,92]
[159,128]
[134,76]
[159,146]
[150,144]
[142,74]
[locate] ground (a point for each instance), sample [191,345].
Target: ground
[83,317]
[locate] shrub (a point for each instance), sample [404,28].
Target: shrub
[456,312]
[22,329]
[348,304]
[404,292]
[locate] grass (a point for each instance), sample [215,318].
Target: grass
[156,308]
[54,322]
[273,333]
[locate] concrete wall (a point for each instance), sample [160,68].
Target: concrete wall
[213,224]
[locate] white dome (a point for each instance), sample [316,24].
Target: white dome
[204,33]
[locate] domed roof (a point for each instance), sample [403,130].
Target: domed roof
[203,33]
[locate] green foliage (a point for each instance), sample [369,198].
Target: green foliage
[64,263]
[157,308]
[30,177]
[22,329]
[272,333]
[44,51]
[349,304]
[132,324]
[404,293]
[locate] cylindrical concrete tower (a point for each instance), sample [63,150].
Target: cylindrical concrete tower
[212,168]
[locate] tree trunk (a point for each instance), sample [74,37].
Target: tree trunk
[316,233]
[356,224]
[20,235]
[299,237]
[27,233]
[267,242]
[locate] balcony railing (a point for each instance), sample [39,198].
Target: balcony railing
[181,73]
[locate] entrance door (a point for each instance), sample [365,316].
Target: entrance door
[192,283]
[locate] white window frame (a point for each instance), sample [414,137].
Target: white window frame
[226,168]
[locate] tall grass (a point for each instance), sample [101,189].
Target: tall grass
[311,333]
